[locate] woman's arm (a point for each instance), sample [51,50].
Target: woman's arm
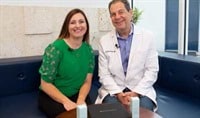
[56,95]
[84,90]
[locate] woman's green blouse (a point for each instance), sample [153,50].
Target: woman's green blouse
[67,68]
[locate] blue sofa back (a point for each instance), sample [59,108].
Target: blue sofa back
[19,82]
[19,75]
[178,86]
[180,73]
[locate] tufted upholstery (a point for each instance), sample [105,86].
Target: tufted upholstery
[180,73]
[19,75]
[19,81]
[178,86]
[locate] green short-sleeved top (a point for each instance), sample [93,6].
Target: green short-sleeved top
[66,68]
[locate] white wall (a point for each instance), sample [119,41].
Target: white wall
[61,3]
[153,18]
[34,24]
[27,30]
[13,17]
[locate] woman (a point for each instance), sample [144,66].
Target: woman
[66,71]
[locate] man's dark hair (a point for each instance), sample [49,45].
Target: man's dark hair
[125,2]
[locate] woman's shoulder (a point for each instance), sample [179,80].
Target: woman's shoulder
[87,45]
[56,45]
[58,42]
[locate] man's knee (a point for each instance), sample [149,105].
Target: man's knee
[110,99]
[146,102]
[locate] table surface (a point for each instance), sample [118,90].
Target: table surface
[144,113]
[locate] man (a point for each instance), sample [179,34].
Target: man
[128,60]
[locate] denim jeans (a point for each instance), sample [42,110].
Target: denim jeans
[145,102]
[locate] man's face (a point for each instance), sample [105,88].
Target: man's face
[121,18]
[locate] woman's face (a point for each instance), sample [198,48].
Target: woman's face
[77,26]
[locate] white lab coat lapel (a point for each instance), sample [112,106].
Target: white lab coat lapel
[136,43]
[118,60]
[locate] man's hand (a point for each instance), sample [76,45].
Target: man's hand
[129,95]
[125,99]
[122,97]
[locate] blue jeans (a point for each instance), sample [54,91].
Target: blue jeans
[145,102]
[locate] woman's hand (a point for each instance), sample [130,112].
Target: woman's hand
[80,102]
[69,105]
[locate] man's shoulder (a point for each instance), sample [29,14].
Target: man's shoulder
[109,35]
[142,30]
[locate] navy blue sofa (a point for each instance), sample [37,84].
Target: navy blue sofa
[19,81]
[178,86]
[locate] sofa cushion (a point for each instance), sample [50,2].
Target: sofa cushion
[20,106]
[173,104]
[95,81]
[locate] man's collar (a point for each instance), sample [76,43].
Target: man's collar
[130,33]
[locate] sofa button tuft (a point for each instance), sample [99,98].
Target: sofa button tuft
[20,76]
